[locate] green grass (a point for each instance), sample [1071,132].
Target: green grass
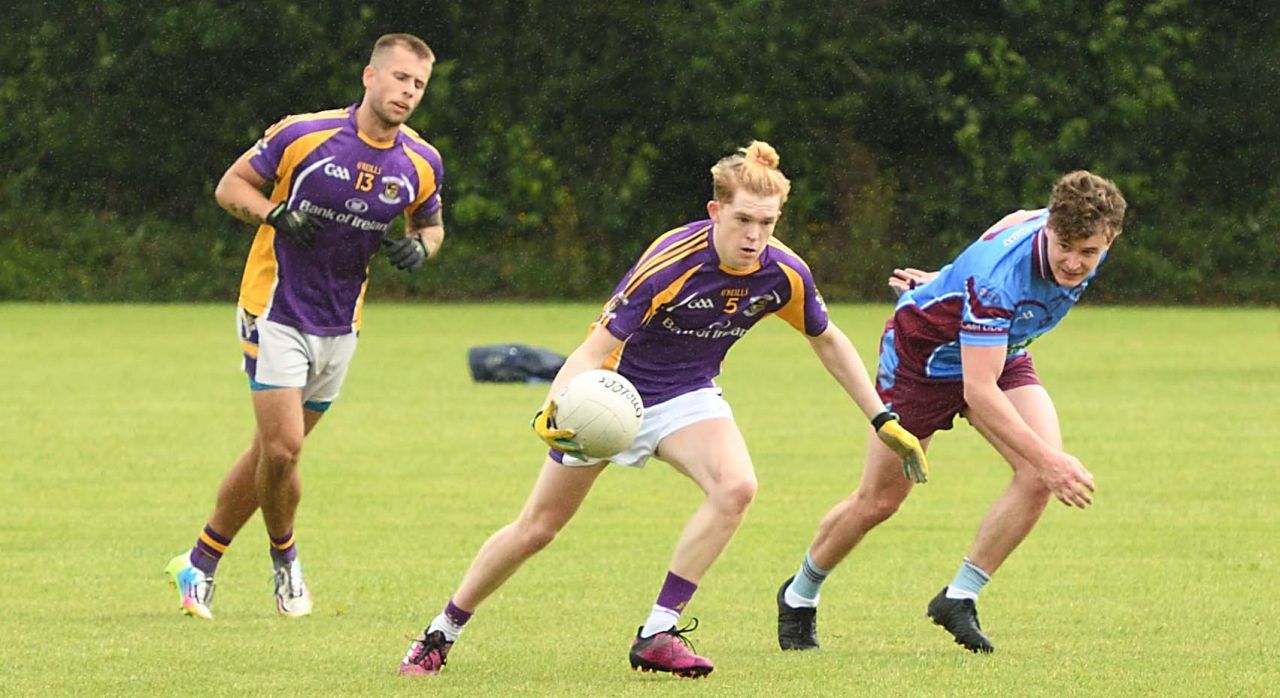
[117,423]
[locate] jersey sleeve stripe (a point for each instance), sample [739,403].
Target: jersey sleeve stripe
[653,256]
[793,311]
[299,118]
[776,243]
[669,293]
[426,180]
[677,252]
[298,150]
[656,244]
[417,138]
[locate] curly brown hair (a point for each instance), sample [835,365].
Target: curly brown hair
[1083,204]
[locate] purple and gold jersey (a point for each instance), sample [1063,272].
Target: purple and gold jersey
[998,292]
[678,311]
[356,186]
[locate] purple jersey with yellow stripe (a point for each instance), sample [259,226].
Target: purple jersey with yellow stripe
[678,311]
[324,165]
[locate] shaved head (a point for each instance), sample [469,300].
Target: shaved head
[382,48]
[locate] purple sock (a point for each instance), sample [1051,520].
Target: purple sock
[208,550]
[456,615]
[676,592]
[283,549]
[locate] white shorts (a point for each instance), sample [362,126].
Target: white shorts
[661,421]
[280,356]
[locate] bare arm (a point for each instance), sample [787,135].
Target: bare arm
[982,367]
[842,361]
[592,353]
[1060,472]
[430,231]
[240,193]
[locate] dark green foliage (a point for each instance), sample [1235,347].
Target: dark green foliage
[573,133]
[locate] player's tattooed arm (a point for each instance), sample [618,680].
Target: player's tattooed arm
[429,230]
[239,192]
[243,213]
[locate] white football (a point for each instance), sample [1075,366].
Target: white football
[604,411]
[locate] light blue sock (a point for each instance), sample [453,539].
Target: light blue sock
[968,582]
[807,583]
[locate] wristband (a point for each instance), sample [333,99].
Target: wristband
[880,419]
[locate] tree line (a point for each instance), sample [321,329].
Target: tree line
[574,132]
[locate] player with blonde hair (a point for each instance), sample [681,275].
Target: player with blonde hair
[957,345]
[667,327]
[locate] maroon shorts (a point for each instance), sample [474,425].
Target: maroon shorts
[926,405]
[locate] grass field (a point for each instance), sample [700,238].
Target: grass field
[117,423]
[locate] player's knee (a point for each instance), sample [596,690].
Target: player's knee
[1031,485]
[876,505]
[281,454]
[534,536]
[736,495]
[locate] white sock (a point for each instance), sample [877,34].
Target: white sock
[954,593]
[794,600]
[443,624]
[660,618]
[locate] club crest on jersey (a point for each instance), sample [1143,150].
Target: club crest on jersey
[758,304]
[392,187]
[1031,314]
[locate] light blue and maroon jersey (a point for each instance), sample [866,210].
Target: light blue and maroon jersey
[999,292]
[356,186]
[678,311]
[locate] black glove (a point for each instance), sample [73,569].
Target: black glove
[407,253]
[296,226]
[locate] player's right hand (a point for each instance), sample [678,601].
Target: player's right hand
[298,227]
[915,465]
[544,425]
[1066,477]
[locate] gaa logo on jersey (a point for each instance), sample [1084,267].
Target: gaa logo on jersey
[337,171]
[392,186]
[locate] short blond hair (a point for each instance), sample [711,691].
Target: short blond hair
[754,168]
[1083,204]
[386,42]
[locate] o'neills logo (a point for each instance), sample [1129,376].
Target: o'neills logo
[614,385]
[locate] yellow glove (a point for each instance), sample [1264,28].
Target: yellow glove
[915,466]
[544,425]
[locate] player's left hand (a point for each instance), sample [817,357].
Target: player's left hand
[915,466]
[904,280]
[406,254]
[544,425]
